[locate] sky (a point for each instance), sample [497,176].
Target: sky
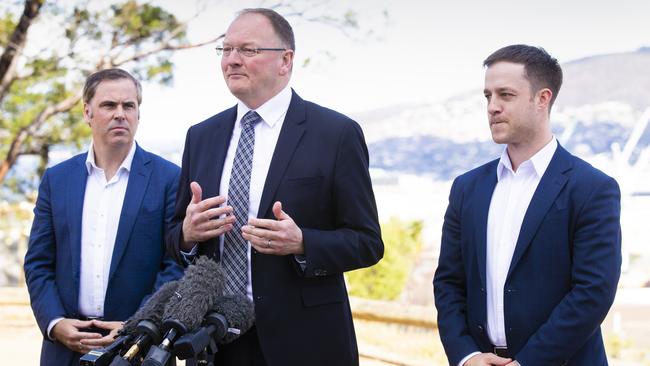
[417,52]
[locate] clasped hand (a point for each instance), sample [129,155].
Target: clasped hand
[70,332]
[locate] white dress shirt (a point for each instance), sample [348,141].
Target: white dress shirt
[510,200]
[100,219]
[266,137]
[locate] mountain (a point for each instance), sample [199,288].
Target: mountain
[621,77]
[599,105]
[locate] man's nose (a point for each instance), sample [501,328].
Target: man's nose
[119,112]
[233,58]
[493,106]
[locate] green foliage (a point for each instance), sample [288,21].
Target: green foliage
[615,344]
[7,25]
[386,280]
[133,35]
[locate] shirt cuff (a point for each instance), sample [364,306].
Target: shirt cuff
[462,362]
[188,257]
[51,326]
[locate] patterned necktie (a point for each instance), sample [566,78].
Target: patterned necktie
[235,248]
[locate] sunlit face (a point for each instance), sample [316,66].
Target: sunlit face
[510,104]
[113,113]
[255,80]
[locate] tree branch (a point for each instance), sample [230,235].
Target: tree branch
[20,137]
[9,58]
[163,47]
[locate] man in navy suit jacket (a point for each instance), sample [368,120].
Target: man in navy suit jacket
[96,248]
[311,213]
[531,243]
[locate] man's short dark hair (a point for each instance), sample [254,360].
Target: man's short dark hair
[280,25]
[93,81]
[541,69]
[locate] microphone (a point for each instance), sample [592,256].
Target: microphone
[103,356]
[239,311]
[196,293]
[231,316]
[148,333]
[144,326]
[151,310]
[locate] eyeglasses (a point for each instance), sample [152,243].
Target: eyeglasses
[244,51]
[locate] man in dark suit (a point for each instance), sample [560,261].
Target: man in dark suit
[287,185]
[531,243]
[96,248]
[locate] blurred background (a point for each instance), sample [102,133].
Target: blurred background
[409,72]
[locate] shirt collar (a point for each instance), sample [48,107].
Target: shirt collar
[271,111]
[539,161]
[126,163]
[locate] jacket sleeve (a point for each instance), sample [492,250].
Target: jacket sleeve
[40,261]
[450,284]
[356,240]
[174,234]
[169,269]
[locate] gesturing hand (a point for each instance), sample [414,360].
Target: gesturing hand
[278,237]
[205,219]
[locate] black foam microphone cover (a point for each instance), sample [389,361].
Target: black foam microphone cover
[239,311]
[152,309]
[231,316]
[196,293]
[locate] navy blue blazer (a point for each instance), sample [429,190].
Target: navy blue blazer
[138,265]
[319,171]
[563,275]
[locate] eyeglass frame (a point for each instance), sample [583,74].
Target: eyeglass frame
[221,51]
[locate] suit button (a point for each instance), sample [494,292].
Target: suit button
[258,297]
[482,289]
[480,328]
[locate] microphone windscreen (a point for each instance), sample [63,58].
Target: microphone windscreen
[197,291]
[152,309]
[239,311]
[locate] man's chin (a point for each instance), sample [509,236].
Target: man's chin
[120,141]
[499,138]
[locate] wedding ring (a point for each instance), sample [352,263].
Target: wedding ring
[268,243]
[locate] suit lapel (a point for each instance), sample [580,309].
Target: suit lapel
[135,190]
[292,130]
[484,196]
[549,187]
[76,190]
[210,153]
[219,143]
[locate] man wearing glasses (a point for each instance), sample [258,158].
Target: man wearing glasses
[277,189]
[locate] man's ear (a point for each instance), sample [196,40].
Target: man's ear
[287,62]
[88,113]
[543,98]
